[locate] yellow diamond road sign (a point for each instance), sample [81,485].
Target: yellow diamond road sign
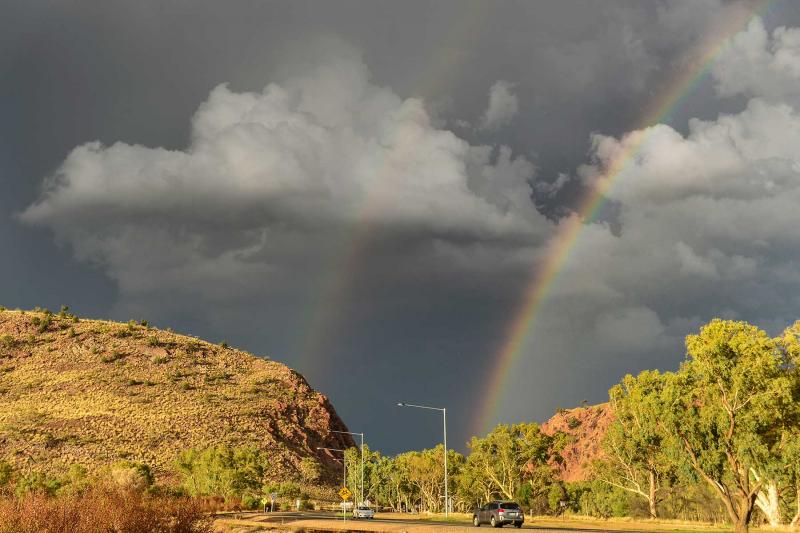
[345,493]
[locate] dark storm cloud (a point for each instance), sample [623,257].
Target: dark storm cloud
[243,225]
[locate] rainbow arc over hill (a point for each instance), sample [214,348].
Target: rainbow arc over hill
[568,231]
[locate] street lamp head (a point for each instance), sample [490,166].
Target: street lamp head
[401,404]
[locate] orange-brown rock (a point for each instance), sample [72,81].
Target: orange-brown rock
[586,427]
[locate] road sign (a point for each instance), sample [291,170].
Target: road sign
[345,493]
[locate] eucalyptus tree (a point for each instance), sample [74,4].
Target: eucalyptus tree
[634,457]
[511,455]
[722,408]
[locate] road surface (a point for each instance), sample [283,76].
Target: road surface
[322,521]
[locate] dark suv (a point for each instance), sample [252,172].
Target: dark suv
[498,514]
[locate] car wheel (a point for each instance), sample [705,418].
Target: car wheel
[476,522]
[518,525]
[493,522]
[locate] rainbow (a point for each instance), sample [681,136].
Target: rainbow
[328,305]
[568,230]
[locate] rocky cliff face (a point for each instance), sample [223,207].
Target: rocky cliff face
[586,426]
[91,392]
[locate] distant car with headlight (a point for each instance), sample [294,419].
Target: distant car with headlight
[498,514]
[362,511]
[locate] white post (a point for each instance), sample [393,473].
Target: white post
[446,494]
[344,484]
[362,469]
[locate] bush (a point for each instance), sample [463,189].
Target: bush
[284,490]
[102,509]
[6,472]
[8,341]
[42,323]
[114,356]
[132,476]
[251,502]
[597,499]
[38,483]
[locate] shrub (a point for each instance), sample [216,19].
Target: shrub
[6,473]
[39,483]
[8,341]
[132,476]
[284,490]
[42,323]
[102,509]
[153,341]
[114,356]
[250,502]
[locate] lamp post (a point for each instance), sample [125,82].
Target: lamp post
[344,476]
[444,420]
[362,458]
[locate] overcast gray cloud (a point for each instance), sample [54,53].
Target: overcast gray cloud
[707,227]
[301,179]
[503,105]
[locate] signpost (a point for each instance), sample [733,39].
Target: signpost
[345,494]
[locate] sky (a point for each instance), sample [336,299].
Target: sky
[364,190]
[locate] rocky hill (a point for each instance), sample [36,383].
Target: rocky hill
[586,426]
[91,392]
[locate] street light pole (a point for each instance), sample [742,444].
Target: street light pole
[362,458]
[444,420]
[344,475]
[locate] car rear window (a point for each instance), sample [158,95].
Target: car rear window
[509,506]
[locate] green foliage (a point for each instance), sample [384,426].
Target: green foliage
[285,489]
[512,455]
[634,447]
[222,471]
[112,357]
[555,495]
[8,341]
[251,502]
[309,469]
[603,501]
[43,322]
[37,482]
[6,473]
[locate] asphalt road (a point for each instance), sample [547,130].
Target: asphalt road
[287,517]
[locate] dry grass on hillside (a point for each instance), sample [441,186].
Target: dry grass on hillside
[92,392]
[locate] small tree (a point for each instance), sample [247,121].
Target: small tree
[634,454]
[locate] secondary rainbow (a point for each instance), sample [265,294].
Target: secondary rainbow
[569,229]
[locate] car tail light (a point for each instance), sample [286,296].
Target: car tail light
[501,511]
